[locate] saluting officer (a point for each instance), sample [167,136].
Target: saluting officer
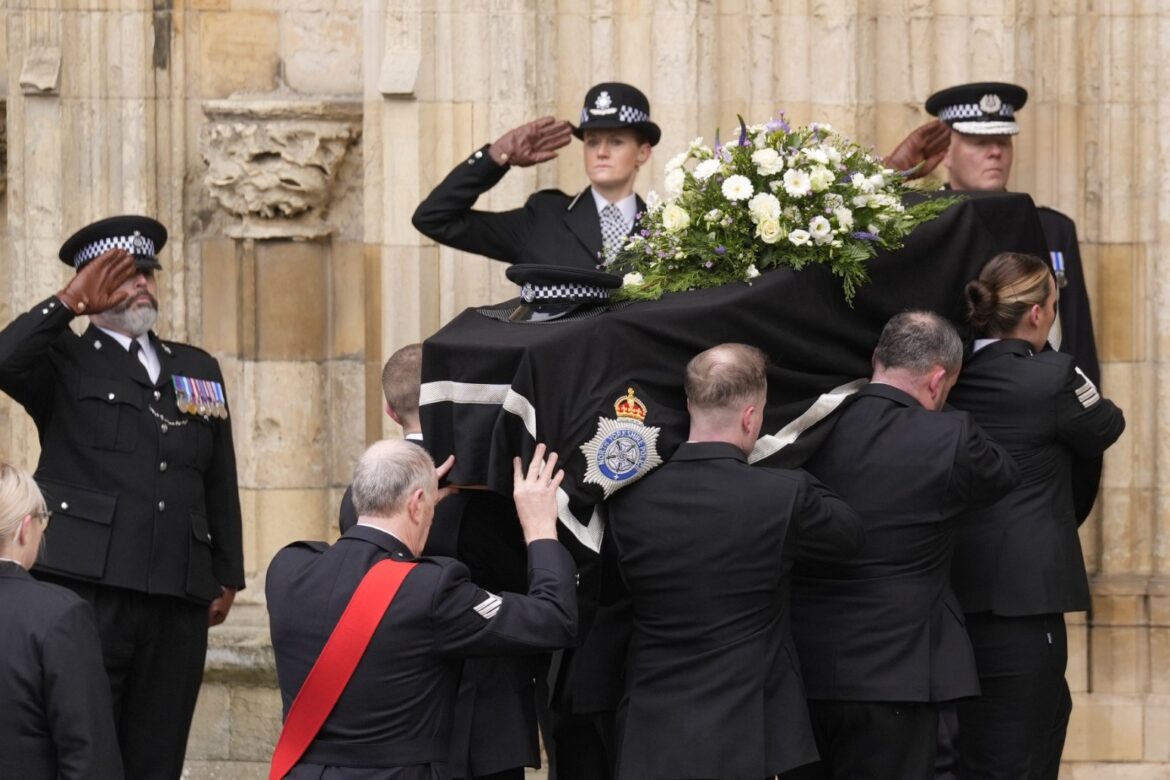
[138,468]
[552,228]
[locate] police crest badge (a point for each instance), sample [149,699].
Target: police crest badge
[624,449]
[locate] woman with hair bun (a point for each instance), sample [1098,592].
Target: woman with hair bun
[1018,565]
[56,721]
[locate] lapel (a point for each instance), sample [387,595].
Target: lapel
[166,359]
[124,363]
[582,221]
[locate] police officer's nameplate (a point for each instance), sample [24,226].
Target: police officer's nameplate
[624,449]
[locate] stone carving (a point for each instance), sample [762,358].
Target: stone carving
[273,163]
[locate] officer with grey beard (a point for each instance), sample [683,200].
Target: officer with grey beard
[138,468]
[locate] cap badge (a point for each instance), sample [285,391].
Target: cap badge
[603,106]
[528,293]
[624,449]
[138,243]
[990,104]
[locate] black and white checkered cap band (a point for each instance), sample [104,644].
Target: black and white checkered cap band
[627,114]
[973,111]
[562,293]
[137,244]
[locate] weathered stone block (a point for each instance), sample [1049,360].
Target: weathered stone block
[292,300]
[238,51]
[220,325]
[283,427]
[256,721]
[1119,659]
[1105,728]
[318,53]
[284,516]
[347,308]
[211,726]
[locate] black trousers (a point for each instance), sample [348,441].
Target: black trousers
[871,740]
[153,648]
[1016,728]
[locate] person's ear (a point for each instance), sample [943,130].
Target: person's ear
[393,415]
[644,152]
[936,386]
[415,504]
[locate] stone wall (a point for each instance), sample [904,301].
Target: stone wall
[285,145]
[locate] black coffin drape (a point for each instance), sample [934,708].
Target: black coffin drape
[492,389]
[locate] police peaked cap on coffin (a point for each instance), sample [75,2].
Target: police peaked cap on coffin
[548,292]
[142,237]
[983,108]
[614,105]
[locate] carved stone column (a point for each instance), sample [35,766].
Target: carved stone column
[273,162]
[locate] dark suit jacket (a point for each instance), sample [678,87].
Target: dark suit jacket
[551,229]
[884,624]
[143,496]
[1022,555]
[56,722]
[394,718]
[705,545]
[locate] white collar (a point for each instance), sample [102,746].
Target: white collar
[628,206]
[981,343]
[414,437]
[124,340]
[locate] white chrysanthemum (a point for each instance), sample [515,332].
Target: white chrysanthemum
[764,205]
[799,237]
[861,183]
[768,162]
[653,201]
[797,183]
[676,162]
[820,229]
[768,230]
[675,217]
[816,154]
[706,169]
[834,201]
[673,183]
[844,218]
[820,179]
[632,279]
[737,187]
[833,153]
[752,272]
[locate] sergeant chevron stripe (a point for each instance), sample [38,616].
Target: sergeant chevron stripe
[1087,393]
[488,608]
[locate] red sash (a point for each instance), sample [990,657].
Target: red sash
[334,667]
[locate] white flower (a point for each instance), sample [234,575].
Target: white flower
[833,154]
[817,155]
[653,201]
[862,201]
[768,230]
[675,218]
[820,229]
[763,206]
[834,201]
[737,187]
[877,180]
[861,183]
[796,182]
[676,162]
[820,178]
[713,216]
[674,182]
[752,271]
[799,237]
[767,161]
[872,228]
[697,143]
[844,217]
[706,169]
[632,279]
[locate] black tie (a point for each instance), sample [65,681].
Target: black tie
[135,353]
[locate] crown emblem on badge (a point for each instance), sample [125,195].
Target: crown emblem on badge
[628,407]
[990,104]
[138,242]
[603,105]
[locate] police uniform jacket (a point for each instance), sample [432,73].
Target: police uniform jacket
[1076,321]
[705,545]
[394,718]
[57,722]
[884,624]
[144,497]
[1022,555]
[552,228]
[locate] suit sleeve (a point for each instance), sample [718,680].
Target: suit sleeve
[447,216]
[826,526]
[473,621]
[1085,421]
[222,496]
[77,699]
[25,371]
[983,471]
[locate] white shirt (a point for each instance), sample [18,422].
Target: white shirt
[146,355]
[628,206]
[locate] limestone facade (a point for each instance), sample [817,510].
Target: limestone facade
[285,145]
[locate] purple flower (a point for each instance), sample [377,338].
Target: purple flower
[644,233]
[709,264]
[720,250]
[864,235]
[777,124]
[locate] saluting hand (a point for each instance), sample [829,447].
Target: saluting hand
[95,288]
[921,151]
[531,143]
[535,494]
